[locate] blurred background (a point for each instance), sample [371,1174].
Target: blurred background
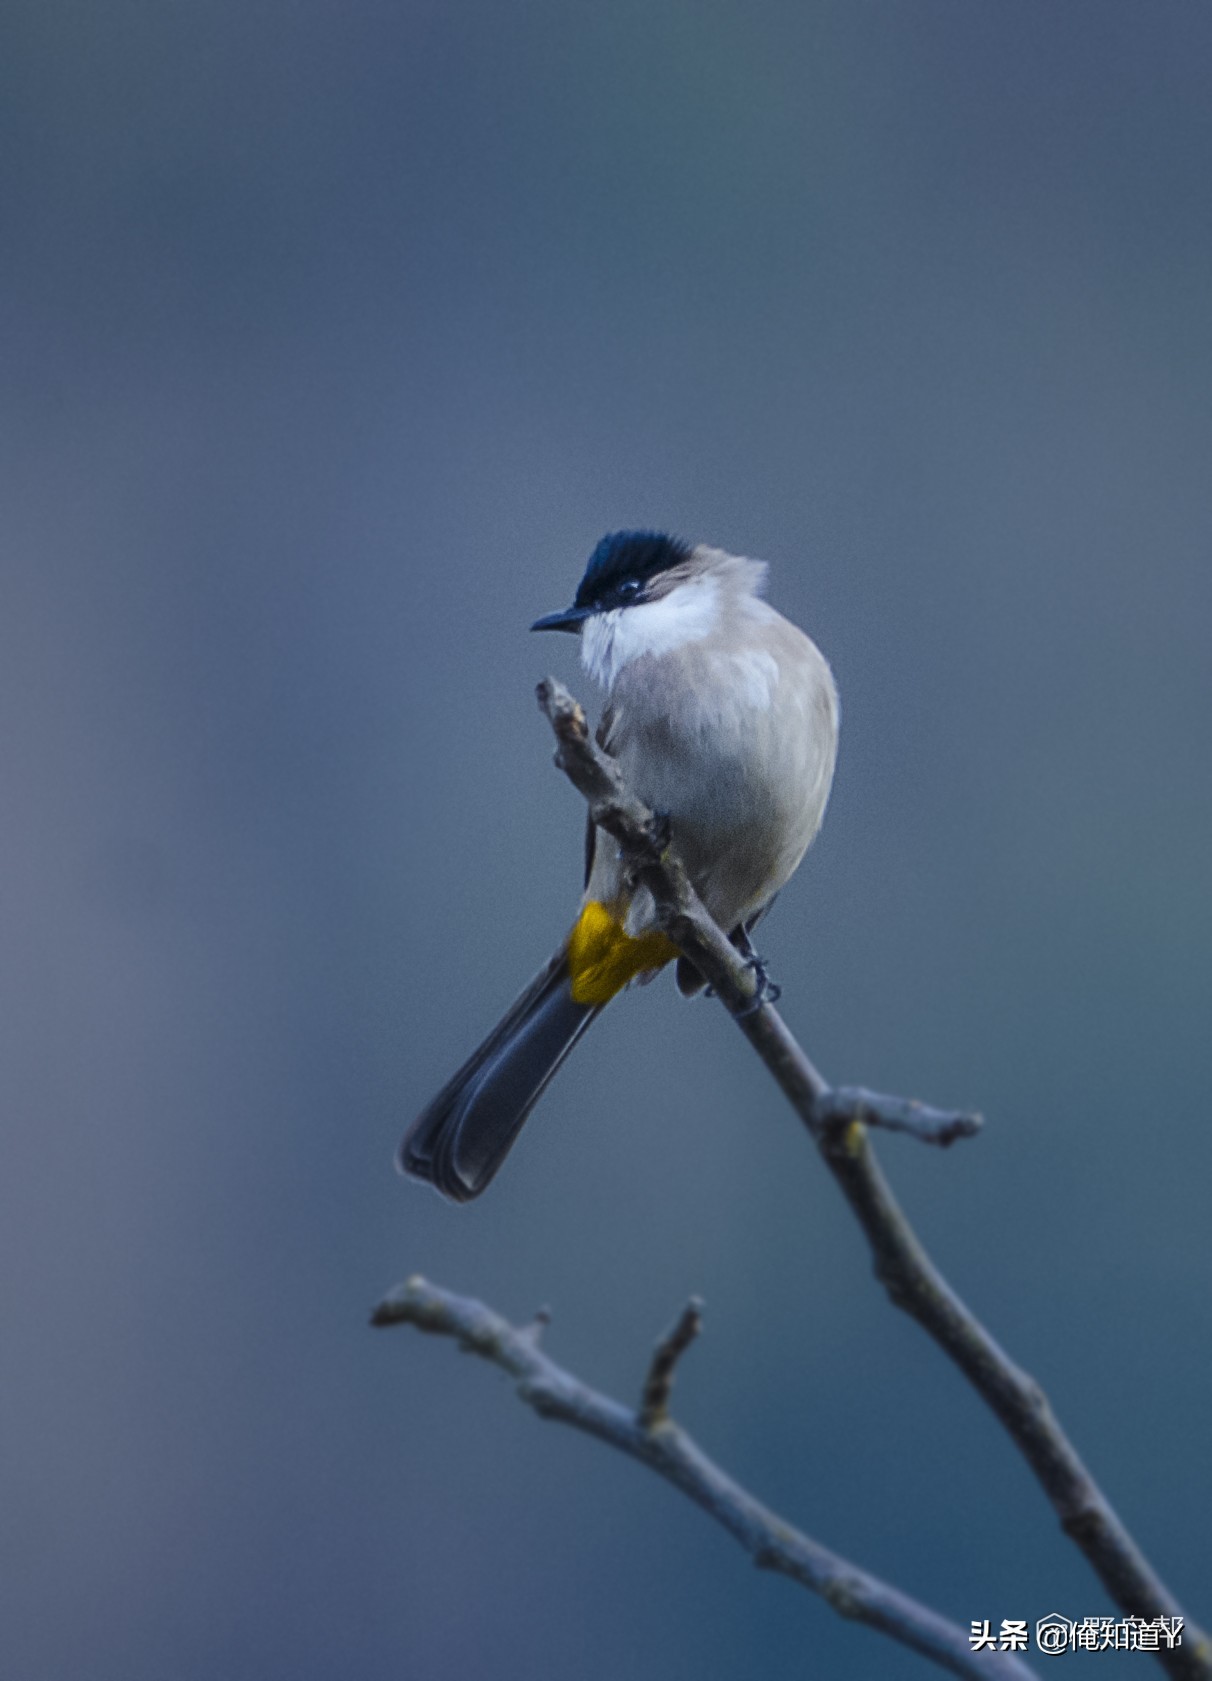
[334,337]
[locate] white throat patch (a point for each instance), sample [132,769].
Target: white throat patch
[609,641]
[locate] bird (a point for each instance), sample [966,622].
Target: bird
[723,717]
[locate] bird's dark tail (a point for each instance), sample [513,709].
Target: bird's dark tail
[461,1139]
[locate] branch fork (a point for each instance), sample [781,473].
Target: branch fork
[651,1436]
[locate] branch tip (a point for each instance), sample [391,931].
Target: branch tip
[533,1332]
[658,1386]
[563,711]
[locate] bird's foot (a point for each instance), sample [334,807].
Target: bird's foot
[765,992]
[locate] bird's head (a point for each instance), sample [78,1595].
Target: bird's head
[627,569]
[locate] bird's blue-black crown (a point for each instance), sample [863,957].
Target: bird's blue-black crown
[626,555]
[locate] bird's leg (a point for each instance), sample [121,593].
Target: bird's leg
[740,939]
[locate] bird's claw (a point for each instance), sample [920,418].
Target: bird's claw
[765,992]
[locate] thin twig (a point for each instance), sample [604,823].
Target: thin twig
[658,1387]
[665,1447]
[838,1121]
[837,1108]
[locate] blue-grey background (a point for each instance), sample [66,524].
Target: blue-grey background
[334,336]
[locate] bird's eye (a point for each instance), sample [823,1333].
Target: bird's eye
[629,587]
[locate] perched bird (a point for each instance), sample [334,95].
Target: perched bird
[724,719]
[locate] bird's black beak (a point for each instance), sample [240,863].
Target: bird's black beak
[572,618]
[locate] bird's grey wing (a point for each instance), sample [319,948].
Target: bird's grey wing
[602,737]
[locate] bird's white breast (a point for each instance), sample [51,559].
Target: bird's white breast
[731,731]
[610,641]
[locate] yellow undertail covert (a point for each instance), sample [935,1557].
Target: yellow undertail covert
[603,957]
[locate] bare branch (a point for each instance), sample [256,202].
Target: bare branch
[838,1121]
[666,1448]
[654,1409]
[837,1108]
